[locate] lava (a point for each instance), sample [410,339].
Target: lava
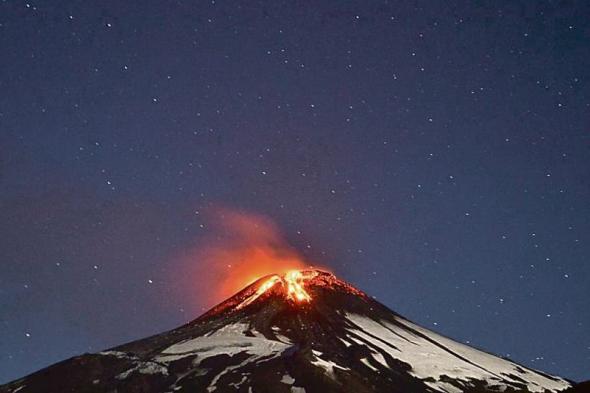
[268,284]
[295,280]
[294,286]
[293,283]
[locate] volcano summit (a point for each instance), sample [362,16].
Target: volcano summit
[305,331]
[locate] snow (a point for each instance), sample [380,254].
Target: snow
[212,387]
[283,339]
[346,343]
[444,386]
[228,340]
[147,367]
[238,384]
[376,355]
[379,357]
[365,361]
[152,368]
[118,354]
[171,358]
[325,364]
[433,356]
[143,367]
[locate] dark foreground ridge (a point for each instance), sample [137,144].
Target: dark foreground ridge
[304,331]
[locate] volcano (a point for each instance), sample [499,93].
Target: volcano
[305,331]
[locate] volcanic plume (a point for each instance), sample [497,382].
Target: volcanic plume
[299,331]
[240,248]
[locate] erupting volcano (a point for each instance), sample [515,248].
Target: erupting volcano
[292,283]
[301,331]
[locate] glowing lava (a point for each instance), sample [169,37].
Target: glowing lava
[293,283]
[294,286]
[268,284]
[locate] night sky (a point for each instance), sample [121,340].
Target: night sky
[436,155]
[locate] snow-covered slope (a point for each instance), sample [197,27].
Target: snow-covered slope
[267,341]
[435,358]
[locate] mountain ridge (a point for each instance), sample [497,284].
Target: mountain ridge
[298,332]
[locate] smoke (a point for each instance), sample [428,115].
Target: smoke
[238,249]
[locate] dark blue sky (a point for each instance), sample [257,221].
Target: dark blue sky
[436,155]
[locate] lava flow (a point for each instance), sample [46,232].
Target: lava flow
[297,287]
[295,280]
[293,283]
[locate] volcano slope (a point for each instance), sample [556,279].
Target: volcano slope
[306,331]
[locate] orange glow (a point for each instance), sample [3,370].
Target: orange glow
[268,284]
[238,249]
[295,286]
[251,263]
